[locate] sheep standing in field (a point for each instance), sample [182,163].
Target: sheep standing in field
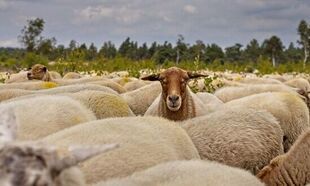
[239,137]
[291,112]
[139,100]
[292,168]
[144,141]
[176,101]
[40,116]
[187,173]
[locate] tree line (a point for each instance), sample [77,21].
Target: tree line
[273,49]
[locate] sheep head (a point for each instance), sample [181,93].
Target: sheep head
[38,72]
[32,165]
[174,85]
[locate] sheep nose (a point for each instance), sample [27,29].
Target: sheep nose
[173,98]
[28,74]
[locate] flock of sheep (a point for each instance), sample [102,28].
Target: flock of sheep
[114,131]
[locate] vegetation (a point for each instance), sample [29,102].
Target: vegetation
[269,56]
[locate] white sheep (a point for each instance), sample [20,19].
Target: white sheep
[291,112]
[187,173]
[239,137]
[144,141]
[292,168]
[230,93]
[42,115]
[139,100]
[176,101]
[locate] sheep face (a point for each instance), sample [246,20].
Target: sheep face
[174,86]
[38,71]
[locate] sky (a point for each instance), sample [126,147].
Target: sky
[224,22]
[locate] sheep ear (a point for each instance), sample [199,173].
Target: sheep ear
[81,153]
[152,77]
[8,125]
[192,75]
[303,94]
[44,69]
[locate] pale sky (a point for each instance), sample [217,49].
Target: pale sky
[224,22]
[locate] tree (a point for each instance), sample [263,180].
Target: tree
[233,53]
[274,48]
[293,54]
[304,33]
[30,34]
[72,45]
[143,52]
[252,51]
[213,52]
[164,53]
[181,49]
[92,52]
[198,50]
[47,46]
[108,50]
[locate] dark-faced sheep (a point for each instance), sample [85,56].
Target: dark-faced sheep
[176,101]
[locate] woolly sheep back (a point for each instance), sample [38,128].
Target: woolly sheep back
[291,112]
[239,137]
[140,99]
[188,173]
[144,141]
[40,116]
[230,93]
[104,105]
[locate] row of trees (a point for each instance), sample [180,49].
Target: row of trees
[272,48]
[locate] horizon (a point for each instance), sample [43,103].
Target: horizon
[97,21]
